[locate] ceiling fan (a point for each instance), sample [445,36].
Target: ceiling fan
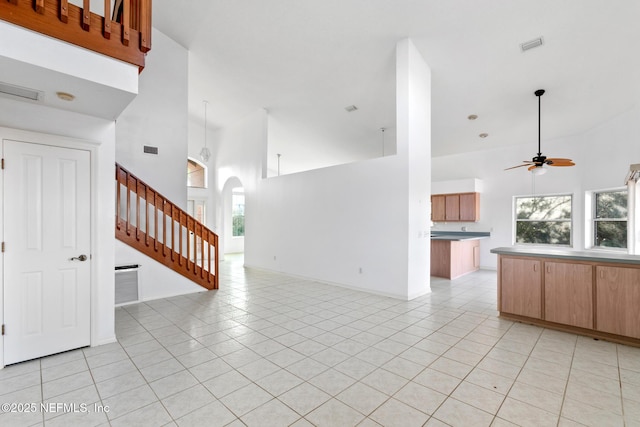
[536,165]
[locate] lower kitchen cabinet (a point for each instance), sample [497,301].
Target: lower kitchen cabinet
[521,290]
[618,300]
[568,293]
[584,294]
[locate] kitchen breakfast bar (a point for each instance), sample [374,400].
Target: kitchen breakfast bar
[592,293]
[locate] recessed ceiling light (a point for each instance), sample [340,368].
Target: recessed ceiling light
[472,116]
[483,135]
[65,96]
[351,108]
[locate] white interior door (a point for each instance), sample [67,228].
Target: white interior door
[46,232]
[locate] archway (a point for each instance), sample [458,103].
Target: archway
[233,215]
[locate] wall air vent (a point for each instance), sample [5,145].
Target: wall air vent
[21,92]
[532,44]
[150,149]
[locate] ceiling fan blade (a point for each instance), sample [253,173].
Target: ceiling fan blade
[519,166]
[530,168]
[557,159]
[561,164]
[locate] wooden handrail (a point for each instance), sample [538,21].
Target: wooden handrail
[125,35]
[147,221]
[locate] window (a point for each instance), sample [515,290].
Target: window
[196,174]
[543,220]
[237,212]
[610,219]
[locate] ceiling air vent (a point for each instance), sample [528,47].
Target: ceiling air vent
[21,92]
[532,44]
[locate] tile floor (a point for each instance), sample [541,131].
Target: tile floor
[272,350]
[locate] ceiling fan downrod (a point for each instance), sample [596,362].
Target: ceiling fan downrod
[539,93]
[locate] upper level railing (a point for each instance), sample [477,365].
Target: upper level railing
[121,30]
[150,223]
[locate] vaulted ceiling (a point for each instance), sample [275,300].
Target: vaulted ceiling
[305,61]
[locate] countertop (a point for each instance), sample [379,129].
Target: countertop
[593,256]
[459,235]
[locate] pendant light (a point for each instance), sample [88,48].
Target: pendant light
[205,153]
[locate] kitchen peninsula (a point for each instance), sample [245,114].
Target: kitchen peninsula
[455,253]
[585,292]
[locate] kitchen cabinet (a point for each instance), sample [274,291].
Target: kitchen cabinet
[618,300]
[568,293]
[521,290]
[455,207]
[590,293]
[451,259]
[438,207]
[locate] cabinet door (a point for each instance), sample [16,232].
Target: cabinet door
[452,207]
[437,208]
[568,294]
[520,287]
[617,300]
[470,207]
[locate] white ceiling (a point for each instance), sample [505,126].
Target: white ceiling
[305,60]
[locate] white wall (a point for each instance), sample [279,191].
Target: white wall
[602,157]
[352,224]
[155,280]
[158,117]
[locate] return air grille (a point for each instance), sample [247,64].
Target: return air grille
[21,92]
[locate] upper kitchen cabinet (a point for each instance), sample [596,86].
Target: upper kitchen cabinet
[455,207]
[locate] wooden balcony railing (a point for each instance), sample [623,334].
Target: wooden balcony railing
[122,32]
[150,223]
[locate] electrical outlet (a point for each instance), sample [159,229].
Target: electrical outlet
[360,270]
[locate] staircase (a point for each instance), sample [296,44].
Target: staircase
[148,222]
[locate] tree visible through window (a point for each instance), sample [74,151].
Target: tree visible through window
[543,220]
[610,219]
[237,212]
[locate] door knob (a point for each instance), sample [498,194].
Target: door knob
[82,257]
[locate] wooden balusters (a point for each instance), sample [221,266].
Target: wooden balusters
[86,15]
[126,22]
[64,11]
[106,31]
[129,21]
[145,25]
[185,254]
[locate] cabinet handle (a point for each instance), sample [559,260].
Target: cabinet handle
[535,267]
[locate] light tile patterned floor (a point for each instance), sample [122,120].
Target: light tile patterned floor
[271,350]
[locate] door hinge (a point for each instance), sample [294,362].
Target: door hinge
[2,329]
[2,163]
[2,246]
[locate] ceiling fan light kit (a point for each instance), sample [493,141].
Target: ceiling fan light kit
[537,164]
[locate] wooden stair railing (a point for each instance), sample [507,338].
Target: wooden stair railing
[148,222]
[127,38]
